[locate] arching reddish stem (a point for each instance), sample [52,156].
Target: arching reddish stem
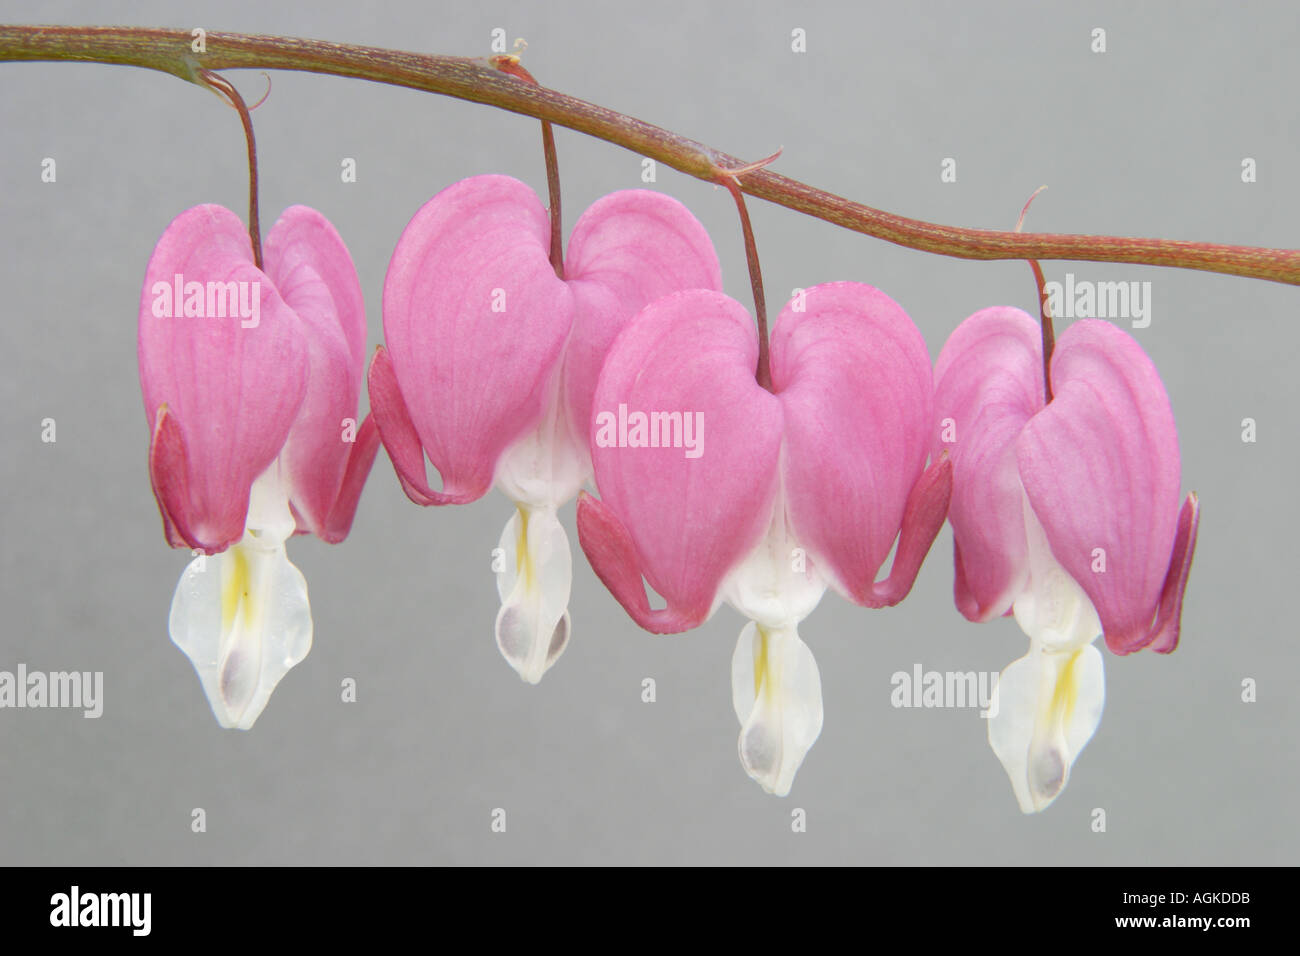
[512,66]
[227,90]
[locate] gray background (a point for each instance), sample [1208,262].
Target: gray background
[1146,139]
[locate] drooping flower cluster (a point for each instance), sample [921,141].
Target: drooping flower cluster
[633,374]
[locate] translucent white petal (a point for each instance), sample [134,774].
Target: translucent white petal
[269,519]
[548,464]
[1053,610]
[1048,704]
[243,619]
[777,694]
[532,627]
[776,584]
[508,545]
[1045,709]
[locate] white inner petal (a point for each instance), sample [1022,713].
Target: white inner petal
[1045,710]
[777,694]
[540,472]
[775,687]
[1048,703]
[532,627]
[242,616]
[547,465]
[1053,610]
[776,584]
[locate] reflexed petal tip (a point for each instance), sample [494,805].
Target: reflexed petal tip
[360,458]
[612,554]
[927,509]
[1164,637]
[169,475]
[394,425]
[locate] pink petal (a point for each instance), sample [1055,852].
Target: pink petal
[612,554]
[1164,633]
[233,391]
[685,521]
[394,425]
[853,377]
[628,249]
[311,268]
[472,380]
[169,474]
[988,384]
[304,247]
[1101,468]
[923,518]
[360,458]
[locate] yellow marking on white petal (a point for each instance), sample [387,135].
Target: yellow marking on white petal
[524,560]
[760,666]
[1049,761]
[234,587]
[1065,693]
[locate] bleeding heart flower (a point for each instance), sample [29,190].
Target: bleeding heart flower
[1065,514]
[491,361]
[797,489]
[250,380]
